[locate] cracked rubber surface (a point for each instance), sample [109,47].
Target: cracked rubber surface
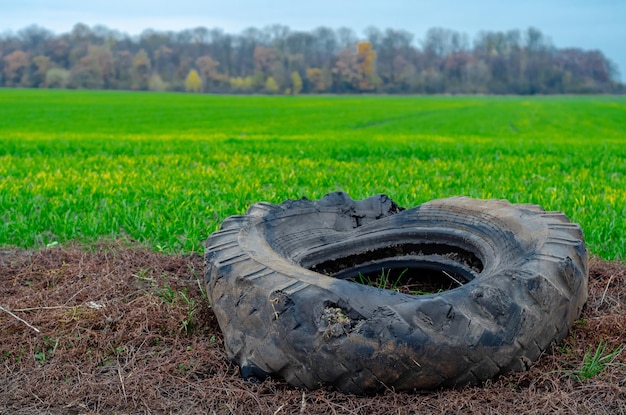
[277,280]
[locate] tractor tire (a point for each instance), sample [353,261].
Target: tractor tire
[507,281]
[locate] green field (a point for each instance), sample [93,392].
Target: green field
[166,169]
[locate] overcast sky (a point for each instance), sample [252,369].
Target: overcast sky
[588,24]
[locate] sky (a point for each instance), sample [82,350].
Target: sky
[587,24]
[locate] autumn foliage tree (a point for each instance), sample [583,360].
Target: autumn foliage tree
[57,78]
[156,83]
[208,71]
[141,68]
[315,76]
[271,86]
[15,65]
[346,71]
[41,64]
[193,83]
[366,64]
[296,83]
[95,70]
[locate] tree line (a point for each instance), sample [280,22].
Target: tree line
[278,60]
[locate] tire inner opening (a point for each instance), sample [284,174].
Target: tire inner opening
[410,269]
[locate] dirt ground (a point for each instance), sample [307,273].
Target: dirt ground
[115,328]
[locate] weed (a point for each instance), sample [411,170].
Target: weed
[119,350]
[382,281]
[46,350]
[184,368]
[170,296]
[142,275]
[188,324]
[167,293]
[41,357]
[595,362]
[393,283]
[203,291]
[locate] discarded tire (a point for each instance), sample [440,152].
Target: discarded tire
[512,280]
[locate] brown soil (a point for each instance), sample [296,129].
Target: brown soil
[126,330]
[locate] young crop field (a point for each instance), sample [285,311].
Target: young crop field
[166,169]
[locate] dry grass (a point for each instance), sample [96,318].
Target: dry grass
[126,330]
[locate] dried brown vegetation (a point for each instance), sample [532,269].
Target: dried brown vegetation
[127,330]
